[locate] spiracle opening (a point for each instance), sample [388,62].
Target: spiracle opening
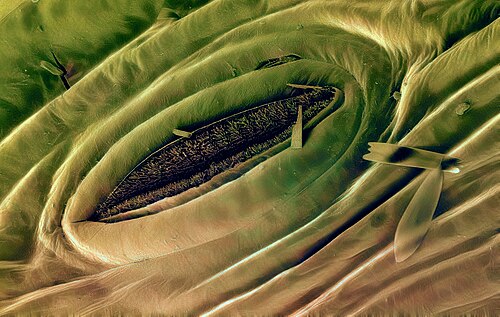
[210,150]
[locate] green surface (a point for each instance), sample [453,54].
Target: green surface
[306,230]
[80,33]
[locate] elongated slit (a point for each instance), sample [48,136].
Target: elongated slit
[212,149]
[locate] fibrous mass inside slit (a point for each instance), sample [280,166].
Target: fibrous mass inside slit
[211,150]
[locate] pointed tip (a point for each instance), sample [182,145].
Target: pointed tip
[373,157]
[383,150]
[454,170]
[367,156]
[399,257]
[402,254]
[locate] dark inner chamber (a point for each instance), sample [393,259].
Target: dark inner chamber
[189,162]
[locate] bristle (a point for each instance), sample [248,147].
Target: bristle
[400,155]
[182,133]
[297,131]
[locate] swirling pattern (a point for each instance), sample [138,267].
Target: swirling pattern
[305,231]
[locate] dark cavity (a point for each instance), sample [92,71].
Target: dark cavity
[278,61]
[212,149]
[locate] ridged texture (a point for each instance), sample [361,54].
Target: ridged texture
[306,231]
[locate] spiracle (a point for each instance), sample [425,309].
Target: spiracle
[211,150]
[251,158]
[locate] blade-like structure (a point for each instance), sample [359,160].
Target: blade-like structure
[410,157]
[297,131]
[182,133]
[417,217]
[51,68]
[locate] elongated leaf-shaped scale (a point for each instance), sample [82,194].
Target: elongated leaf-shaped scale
[410,157]
[297,131]
[417,217]
[184,134]
[54,70]
[299,86]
